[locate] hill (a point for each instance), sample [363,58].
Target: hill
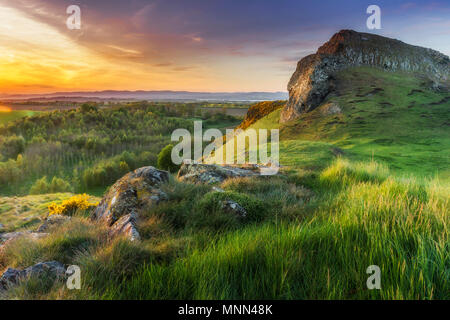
[314,79]
[364,181]
[390,117]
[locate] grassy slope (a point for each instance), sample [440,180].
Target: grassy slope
[314,242]
[387,117]
[17,213]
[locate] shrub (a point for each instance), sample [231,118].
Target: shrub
[40,186]
[59,185]
[72,205]
[56,185]
[165,159]
[11,146]
[210,212]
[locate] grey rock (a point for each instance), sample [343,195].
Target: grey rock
[12,276]
[211,173]
[129,192]
[331,108]
[126,226]
[137,190]
[217,189]
[234,208]
[313,79]
[6,237]
[53,220]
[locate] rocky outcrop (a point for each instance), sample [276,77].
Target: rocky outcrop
[52,220]
[313,79]
[126,226]
[212,173]
[11,276]
[5,238]
[137,190]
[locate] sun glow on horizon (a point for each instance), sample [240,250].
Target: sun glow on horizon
[5,109]
[36,58]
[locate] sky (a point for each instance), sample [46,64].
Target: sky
[192,45]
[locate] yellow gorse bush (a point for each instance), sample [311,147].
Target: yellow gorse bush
[71,205]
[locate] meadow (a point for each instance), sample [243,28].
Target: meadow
[7,115]
[366,185]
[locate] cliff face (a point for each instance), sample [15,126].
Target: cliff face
[312,80]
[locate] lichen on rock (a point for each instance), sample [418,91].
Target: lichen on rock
[135,191]
[12,276]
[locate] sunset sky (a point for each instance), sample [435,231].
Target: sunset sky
[195,45]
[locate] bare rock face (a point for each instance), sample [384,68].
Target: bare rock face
[126,226]
[12,276]
[136,190]
[211,173]
[313,79]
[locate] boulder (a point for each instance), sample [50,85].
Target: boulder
[212,173]
[5,238]
[313,79]
[331,109]
[10,236]
[128,193]
[217,189]
[126,226]
[12,276]
[52,220]
[135,191]
[235,208]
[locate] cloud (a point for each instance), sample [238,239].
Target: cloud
[217,45]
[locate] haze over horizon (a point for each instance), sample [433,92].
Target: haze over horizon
[205,46]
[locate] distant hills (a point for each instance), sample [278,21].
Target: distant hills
[150,95]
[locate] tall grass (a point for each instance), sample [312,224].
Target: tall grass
[313,244]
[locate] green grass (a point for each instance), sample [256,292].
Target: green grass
[402,124]
[312,231]
[27,212]
[6,117]
[313,243]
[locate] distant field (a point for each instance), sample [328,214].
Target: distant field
[7,116]
[232,111]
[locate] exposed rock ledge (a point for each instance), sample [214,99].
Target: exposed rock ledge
[134,191]
[311,82]
[12,276]
[212,173]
